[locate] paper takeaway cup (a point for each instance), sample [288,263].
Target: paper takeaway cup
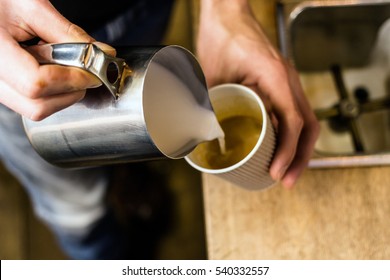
[249,134]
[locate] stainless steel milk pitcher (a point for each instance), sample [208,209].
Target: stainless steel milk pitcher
[110,125]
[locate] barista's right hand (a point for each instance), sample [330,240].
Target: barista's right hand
[32,90]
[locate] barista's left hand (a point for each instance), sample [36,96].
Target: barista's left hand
[232,47]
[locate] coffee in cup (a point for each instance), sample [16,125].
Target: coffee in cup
[241,135]
[249,139]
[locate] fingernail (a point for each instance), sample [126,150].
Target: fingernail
[106,48]
[289,183]
[281,173]
[95,84]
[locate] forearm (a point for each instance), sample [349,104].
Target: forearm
[222,9]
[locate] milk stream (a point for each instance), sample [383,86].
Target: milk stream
[174,119]
[222,144]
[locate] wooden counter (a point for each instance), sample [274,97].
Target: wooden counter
[330,214]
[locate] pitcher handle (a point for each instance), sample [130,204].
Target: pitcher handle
[87,56]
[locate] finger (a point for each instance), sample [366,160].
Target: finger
[290,121]
[32,80]
[301,159]
[45,107]
[274,121]
[106,48]
[61,29]
[308,136]
[289,130]
[25,75]
[37,109]
[19,66]
[264,98]
[58,79]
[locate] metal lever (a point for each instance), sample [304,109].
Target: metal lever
[87,56]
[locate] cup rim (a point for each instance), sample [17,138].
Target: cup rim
[258,143]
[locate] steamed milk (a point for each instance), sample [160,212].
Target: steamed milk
[175,121]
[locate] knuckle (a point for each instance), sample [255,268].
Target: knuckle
[33,88]
[38,112]
[78,32]
[278,66]
[297,120]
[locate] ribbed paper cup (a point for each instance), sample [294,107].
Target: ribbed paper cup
[252,172]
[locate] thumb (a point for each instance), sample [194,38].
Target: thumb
[106,48]
[51,26]
[61,30]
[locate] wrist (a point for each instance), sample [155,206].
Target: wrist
[214,7]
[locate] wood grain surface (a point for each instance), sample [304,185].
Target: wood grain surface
[330,214]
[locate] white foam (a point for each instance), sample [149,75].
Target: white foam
[174,117]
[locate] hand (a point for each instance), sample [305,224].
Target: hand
[33,90]
[232,47]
